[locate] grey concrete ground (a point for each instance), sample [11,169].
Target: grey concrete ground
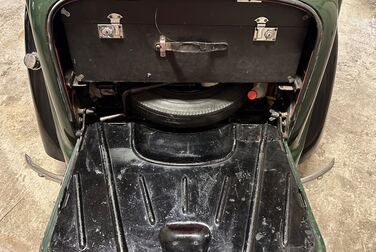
[343,202]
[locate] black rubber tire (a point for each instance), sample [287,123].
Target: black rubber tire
[189,110]
[321,106]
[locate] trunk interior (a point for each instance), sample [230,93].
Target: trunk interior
[134,188]
[184,108]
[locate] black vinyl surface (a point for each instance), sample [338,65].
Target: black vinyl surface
[130,195]
[134,58]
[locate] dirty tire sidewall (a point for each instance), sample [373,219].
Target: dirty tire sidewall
[188,110]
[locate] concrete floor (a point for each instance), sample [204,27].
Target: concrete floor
[343,201]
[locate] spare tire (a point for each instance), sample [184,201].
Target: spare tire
[188,109]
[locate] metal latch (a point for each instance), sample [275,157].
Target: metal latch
[263,33]
[295,84]
[113,30]
[188,46]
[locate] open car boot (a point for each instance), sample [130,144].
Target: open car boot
[181,122]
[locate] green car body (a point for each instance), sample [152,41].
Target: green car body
[326,13]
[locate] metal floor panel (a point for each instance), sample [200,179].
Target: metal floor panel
[135,188]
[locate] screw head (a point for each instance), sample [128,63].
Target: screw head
[31,61]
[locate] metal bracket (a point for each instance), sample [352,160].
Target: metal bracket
[295,84]
[282,121]
[113,30]
[83,113]
[64,12]
[161,46]
[263,33]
